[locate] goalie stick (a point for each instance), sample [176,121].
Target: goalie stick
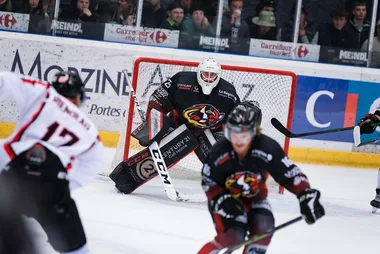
[166,179]
[133,93]
[258,237]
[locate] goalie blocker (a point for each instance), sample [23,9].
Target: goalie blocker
[140,168]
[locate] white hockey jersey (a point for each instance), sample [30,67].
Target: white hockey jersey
[50,119]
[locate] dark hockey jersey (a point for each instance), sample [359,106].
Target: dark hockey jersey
[223,169]
[182,95]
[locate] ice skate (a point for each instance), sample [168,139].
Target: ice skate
[376,202]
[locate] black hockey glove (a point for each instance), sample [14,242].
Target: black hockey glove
[366,124]
[227,206]
[311,209]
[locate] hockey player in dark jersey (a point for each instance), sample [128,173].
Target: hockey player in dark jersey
[234,177]
[368,125]
[200,100]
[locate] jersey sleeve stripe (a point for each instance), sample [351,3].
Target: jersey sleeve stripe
[19,134]
[8,149]
[34,82]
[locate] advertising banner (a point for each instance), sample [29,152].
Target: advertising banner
[14,21]
[141,35]
[284,50]
[107,90]
[78,29]
[342,56]
[323,104]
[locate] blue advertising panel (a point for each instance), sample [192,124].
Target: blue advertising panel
[320,104]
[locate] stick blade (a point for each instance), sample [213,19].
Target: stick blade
[281,128]
[356,134]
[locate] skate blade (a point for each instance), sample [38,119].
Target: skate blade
[374,209]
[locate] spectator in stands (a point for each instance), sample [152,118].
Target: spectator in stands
[306,32]
[375,55]
[48,7]
[108,12]
[31,7]
[175,17]
[196,26]
[127,12]
[264,26]
[186,5]
[5,5]
[263,5]
[358,26]
[79,10]
[153,14]
[233,26]
[336,34]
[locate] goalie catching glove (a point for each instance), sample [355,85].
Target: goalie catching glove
[369,122]
[311,209]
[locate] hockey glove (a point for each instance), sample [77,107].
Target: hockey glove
[366,123]
[311,209]
[227,206]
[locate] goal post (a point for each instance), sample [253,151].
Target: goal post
[273,89]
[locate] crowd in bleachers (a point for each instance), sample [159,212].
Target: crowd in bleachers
[333,23]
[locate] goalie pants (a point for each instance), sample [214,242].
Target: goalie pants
[49,202]
[259,220]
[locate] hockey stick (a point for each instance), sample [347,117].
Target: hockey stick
[162,170]
[281,128]
[133,93]
[258,237]
[357,139]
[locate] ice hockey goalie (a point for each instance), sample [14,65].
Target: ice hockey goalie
[190,106]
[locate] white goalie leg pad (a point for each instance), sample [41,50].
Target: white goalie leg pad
[82,250]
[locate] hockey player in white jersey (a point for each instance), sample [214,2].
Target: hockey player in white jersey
[54,149]
[368,124]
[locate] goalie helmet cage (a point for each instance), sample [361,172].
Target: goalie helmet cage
[273,89]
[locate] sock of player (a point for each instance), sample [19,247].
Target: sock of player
[82,250]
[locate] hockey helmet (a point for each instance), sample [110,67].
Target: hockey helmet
[208,75]
[69,84]
[243,120]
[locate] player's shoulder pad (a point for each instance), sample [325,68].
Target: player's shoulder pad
[220,147]
[226,89]
[266,144]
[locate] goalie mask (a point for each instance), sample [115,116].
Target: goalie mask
[241,123]
[208,75]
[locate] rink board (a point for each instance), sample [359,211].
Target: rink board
[298,154]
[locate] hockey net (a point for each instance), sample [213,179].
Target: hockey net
[273,89]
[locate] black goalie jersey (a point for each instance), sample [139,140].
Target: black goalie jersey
[224,172]
[182,95]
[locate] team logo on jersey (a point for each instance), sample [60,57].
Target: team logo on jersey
[203,115]
[244,184]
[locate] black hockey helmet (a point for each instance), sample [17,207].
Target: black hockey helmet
[244,118]
[68,84]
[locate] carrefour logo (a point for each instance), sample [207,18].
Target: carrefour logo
[310,105]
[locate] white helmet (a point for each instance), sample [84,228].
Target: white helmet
[208,75]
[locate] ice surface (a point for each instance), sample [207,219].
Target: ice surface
[148,222]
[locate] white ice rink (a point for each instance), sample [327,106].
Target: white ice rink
[147,222]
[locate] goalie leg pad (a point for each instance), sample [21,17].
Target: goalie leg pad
[140,168]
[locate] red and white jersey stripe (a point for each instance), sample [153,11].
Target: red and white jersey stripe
[50,119]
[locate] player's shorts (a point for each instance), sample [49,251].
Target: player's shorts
[50,203]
